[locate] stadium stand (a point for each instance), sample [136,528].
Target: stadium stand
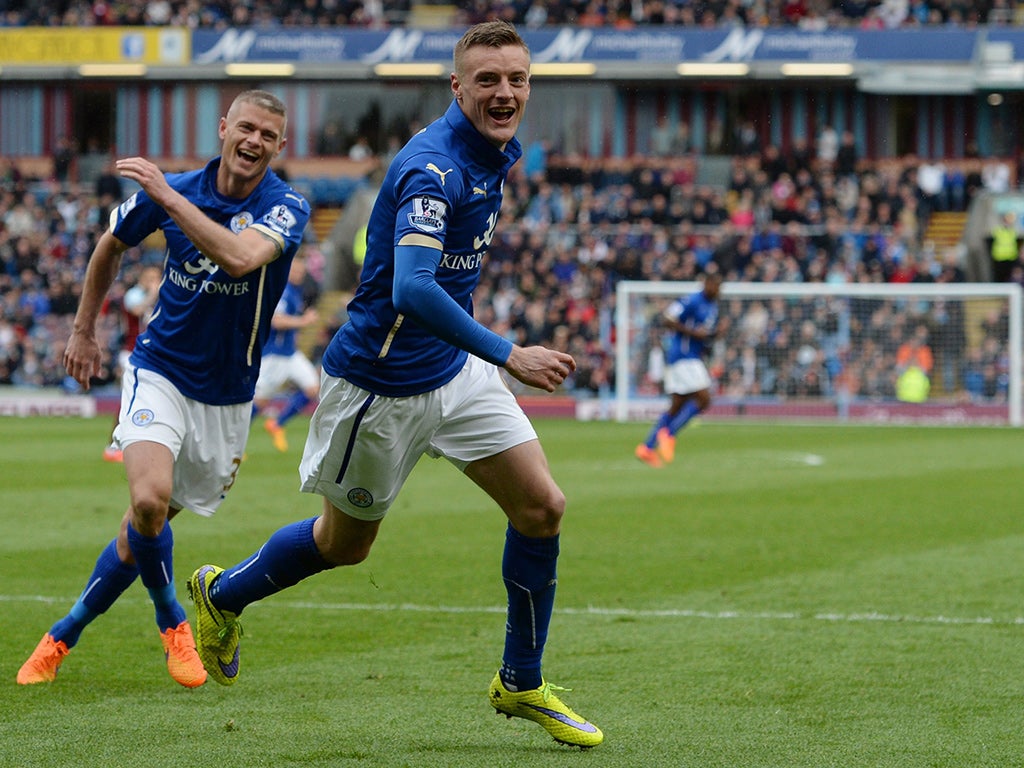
[569,236]
[620,14]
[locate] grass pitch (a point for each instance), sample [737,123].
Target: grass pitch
[779,596]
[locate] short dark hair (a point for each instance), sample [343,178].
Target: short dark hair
[492,34]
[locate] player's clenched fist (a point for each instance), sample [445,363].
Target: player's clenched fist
[540,367]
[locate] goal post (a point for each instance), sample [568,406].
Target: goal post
[858,352]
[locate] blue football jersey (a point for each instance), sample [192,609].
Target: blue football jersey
[446,184]
[694,311]
[207,331]
[282,342]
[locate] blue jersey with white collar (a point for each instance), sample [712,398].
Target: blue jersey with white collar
[207,329]
[445,184]
[695,311]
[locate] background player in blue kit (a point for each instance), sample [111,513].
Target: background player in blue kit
[231,230]
[693,322]
[283,362]
[412,373]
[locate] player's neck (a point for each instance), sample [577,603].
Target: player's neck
[234,186]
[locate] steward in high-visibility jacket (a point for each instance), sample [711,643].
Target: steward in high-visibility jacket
[1005,249]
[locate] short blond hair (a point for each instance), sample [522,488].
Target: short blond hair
[264,100]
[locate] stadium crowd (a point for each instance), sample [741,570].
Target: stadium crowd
[618,14]
[574,226]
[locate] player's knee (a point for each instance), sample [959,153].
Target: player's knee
[349,553]
[542,517]
[343,540]
[148,513]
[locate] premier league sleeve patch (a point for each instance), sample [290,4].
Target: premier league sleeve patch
[126,207]
[428,214]
[280,219]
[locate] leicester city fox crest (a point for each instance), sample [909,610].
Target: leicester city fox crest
[428,214]
[240,221]
[143,417]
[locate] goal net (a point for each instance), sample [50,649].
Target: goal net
[918,353]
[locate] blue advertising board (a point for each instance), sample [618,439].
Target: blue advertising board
[574,44]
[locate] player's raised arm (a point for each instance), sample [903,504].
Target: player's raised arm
[252,134]
[237,254]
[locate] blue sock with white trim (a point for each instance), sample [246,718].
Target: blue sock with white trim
[686,413]
[154,555]
[109,579]
[652,437]
[528,568]
[288,556]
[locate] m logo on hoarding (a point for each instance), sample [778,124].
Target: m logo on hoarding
[568,45]
[232,46]
[737,46]
[399,45]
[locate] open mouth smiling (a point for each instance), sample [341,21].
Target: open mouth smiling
[248,156]
[501,114]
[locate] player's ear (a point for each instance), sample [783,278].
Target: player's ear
[456,87]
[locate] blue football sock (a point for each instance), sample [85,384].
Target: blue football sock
[110,577]
[529,569]
[288,556]
[652,437]
[687,412]
[154,555]
[294,406]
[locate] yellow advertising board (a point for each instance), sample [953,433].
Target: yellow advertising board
[94,45]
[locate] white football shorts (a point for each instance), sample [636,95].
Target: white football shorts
[278,370]
[361,447]
[207,441]
[685,377]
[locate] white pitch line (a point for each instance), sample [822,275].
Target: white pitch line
[666,613]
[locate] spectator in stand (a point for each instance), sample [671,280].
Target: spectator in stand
[661,137]
[847,156]
[614,13]
[109,189]
[360,149]
[995,176]
[914,363]
[682,141]
[63,159]
[931,180]
[1004,248]
[331,141]
[827,146]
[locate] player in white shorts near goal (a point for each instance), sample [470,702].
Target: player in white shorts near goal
[692,322]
